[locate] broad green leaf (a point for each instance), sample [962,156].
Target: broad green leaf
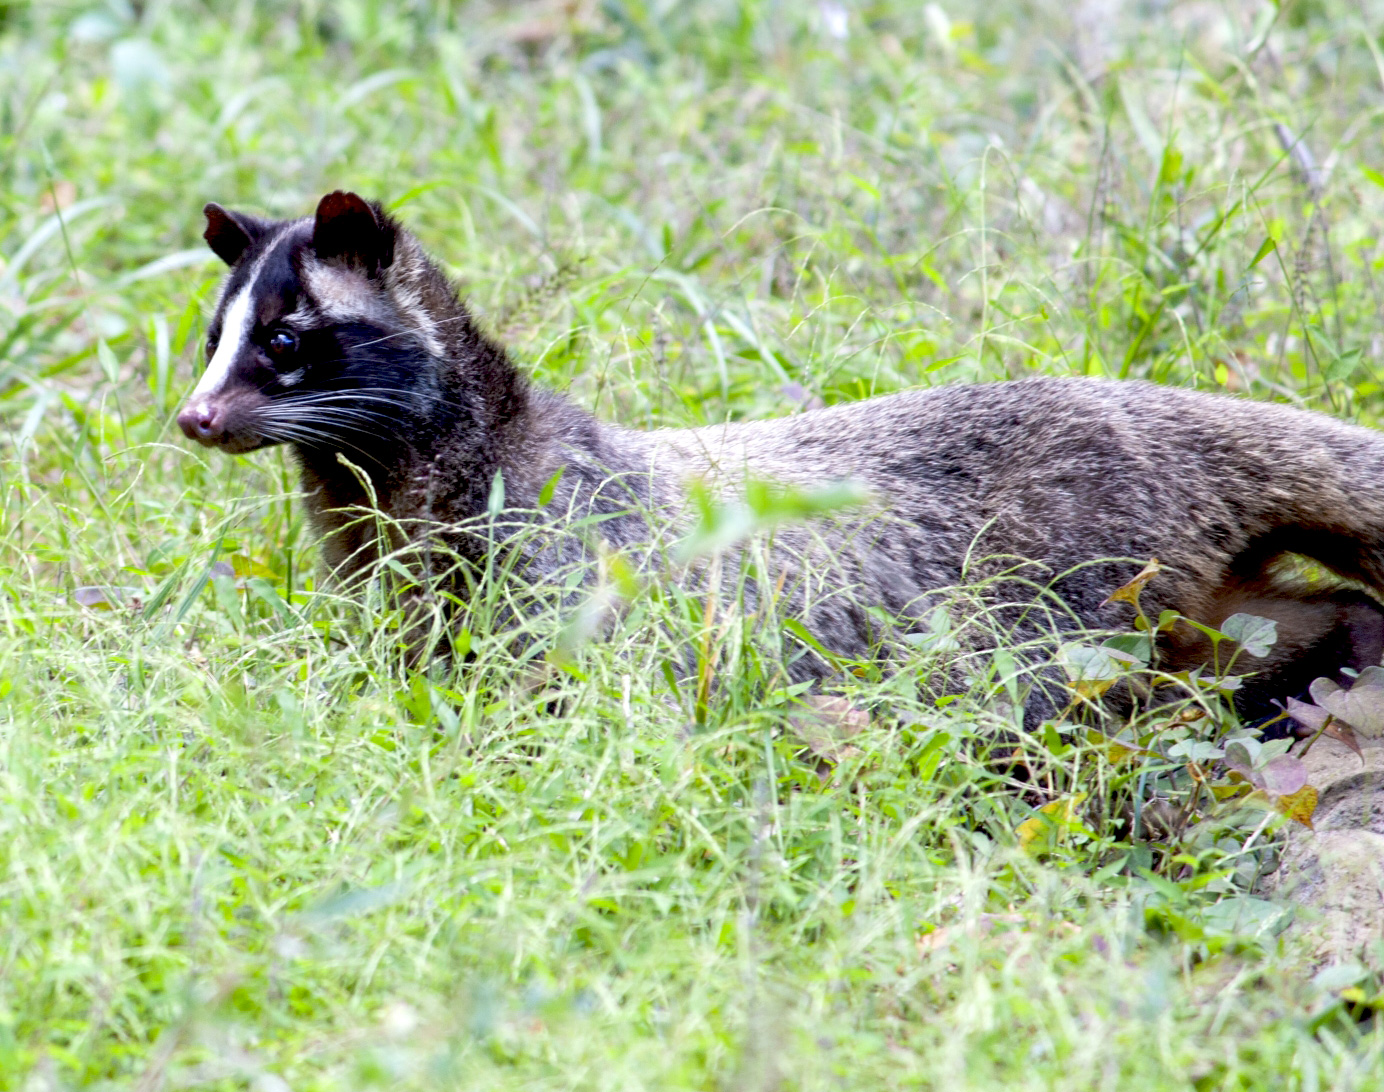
[1241,753]
[1131,647]
[1196,750]
[1255,635]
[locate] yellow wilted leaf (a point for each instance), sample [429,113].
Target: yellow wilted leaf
[1129,593]
[1190,715]
[1299,805]
[1039,831]
[1115,751]
[247,566]
[827,723]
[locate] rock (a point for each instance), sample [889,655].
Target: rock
[1335,871]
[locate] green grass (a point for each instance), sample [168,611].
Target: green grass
[240,848]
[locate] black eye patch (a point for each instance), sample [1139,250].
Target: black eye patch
[282,344]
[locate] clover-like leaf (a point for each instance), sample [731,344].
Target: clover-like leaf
[1196,750]
[1284,775]
[1361,707]
[1316,719]
[1322,689]
[1240,755]
[1134,646]
[1370,676]
[1092,671]
[1310,716]
[1255,635]
[1220,684]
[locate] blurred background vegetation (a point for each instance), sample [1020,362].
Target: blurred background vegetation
[237,855]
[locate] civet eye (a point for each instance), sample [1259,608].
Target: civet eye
[282,342]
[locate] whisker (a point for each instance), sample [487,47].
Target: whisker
[330,403]
[320,413]
[320,422]
[323,428]
[311,440]
[377,394]
[380,395]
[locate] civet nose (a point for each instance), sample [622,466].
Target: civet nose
[203,421]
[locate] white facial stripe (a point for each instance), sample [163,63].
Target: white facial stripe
[236,327]
[234,332]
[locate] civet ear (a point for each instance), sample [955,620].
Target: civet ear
[353,230]
[229,234]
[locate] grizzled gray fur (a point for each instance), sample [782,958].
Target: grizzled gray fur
[336,334]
